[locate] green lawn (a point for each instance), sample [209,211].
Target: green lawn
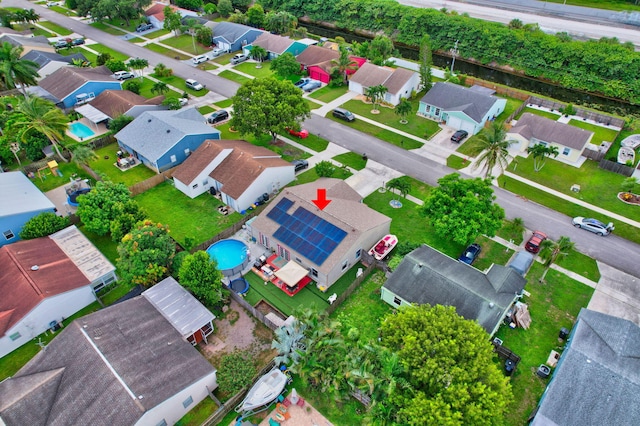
[288,152]
[380,133]
[234,76]
[510,233]
[204,110]
[135,40]
[63,11]
[510,108]
[552,306]
[251,68]
[597,186]
[114,53]
[418,189]
[351,159]
[106,166]
[157,33]
[314,142]
[179,83]
[601,134]
[629,232]
[311,176]
[327,94]
[91,57]
[224,103]
[409,225]
[166,51]
[457,162]
[224,59]
[185,43]
[12,362]
[492,252]
[619,5]
[417,126]
[581,264]
[197,218]
[547,114]
[199,413]
[147,85]
[37,31]
[107,28]
[50,181]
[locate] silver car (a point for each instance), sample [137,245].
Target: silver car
[593,225]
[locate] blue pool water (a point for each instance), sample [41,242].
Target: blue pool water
[80,130]
[229,254]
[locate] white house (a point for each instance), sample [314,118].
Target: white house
[122,365]
[240,171]
[44,280]
[400,82]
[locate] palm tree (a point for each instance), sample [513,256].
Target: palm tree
[403,186]
[518,225]
[259,54]
[375,94]
[551,250]
[80,63]
[540,153]
[191,25]
[40,115]
[15,71]
[492,147]
[403,109]
[83,154]
[344,63]
[159,88]
[138,64]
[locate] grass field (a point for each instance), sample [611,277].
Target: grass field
[492,252]
[107,28]
[49,181]
[314,142]
[56,28]
[351,159]
[106,166]
[327,94]
[380,133]
[166,51]
[600,134]
[185,43]
[234,76]
[251,68]
[457,162]
[114,53]
[547,114]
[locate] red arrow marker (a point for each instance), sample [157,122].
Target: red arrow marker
[322,201]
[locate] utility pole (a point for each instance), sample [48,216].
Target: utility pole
[454,53]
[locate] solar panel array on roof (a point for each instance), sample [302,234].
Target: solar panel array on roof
[306,233]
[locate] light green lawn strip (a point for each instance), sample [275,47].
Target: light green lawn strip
[156,33]
[166,52]
[185,43]
[251,68]
[351,159]
[546,114]
[114,53]
[581,264]
[107,28]
[224,103]
[456,162]
[327,94]
[234,76]
[600,134]
[56,28]
[288,152]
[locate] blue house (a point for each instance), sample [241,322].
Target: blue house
[276,45]
[231,37]
[164,139]
[22,200]
[463,108]
[71,86]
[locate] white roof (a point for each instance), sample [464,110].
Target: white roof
[92,113]
[177,306]
[91,262]
[20,195]
[308,41]
[291,273]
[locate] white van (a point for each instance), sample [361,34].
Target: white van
[200,59]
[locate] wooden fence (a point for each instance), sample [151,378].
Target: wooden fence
[515,113]
[226,233]
[102,141]
[352,287]
[612,166]
[580,112]
[256,313]
[153,181]
[501,90]
[593,155]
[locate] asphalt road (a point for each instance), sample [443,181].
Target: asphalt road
[612,250]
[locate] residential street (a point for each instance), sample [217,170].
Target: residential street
[612,250]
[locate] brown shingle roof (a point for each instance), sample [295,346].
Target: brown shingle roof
[23,288]
[397,79]
[546,130]
[273,43]
[369,75]
[65,80]
[314,55]
[116,102]
[157,10]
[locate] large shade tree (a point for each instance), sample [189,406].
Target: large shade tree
[461,209]
[492,146]
[285,65]
[98,208]
[200,274]
[268,106]
[448,361]
[38,115]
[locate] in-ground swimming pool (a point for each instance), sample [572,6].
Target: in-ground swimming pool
[232,256]
[80,130]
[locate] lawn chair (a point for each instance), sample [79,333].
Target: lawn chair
[286,402]
[300,402]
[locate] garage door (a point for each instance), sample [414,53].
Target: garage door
[469,127]
[454,122]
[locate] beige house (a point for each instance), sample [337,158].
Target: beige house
[533,129]
[400,82]
[327,242]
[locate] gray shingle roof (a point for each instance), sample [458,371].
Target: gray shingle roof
[451,97]
[43,58]
[597,381]
[428,276]
[231,31]
[74,381]
[20,40]
[547,130]
[153,133]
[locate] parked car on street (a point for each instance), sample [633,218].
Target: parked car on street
[218,116]
[302,133]
[302,82]
[343,114]
[77,41]
[240,57]
[470,254]
[52,3]
[217,52]
[200,59]
[459,135]
[62,43]
[144,27]
[193,84]
[311,86]
[534,243]
[593,225]
[122,75]
[299,165]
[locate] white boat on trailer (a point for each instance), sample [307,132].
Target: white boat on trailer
[263,392]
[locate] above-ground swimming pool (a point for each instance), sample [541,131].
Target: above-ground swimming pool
[232,256]
[80,130]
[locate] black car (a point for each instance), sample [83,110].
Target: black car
[144,27]
[218,116]
[300,165]
[470,254]
[343,114]
[459,135]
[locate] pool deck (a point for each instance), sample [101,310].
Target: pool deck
[97,129]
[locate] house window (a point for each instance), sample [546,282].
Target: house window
[207,329]
[345,264]
[566,151]
[543,143]
[173,158]
[298,260]
[15,336]
[437,113]
[194,186]
[264,240]
[187,402]
[283,252]
[428,108]
[397,301]
[358,253]
[187,151]
[314,272]
[8,234]
[205,182]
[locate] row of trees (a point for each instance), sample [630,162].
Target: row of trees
[605,66]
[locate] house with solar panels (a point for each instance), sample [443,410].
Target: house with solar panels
[327,242]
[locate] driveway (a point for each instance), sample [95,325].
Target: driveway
[616,294]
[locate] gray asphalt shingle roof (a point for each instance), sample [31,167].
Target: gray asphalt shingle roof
[231,31]
[74,381]
[452,97]
[153,133]
[551,131]
[597,381]
[426,276]
[43,58]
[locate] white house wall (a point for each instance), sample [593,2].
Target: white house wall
[356,87]
[53,308]
[270,180]
[203,180]
[405,91]
[172,409]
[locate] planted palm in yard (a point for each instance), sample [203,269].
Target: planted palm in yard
[492,147]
